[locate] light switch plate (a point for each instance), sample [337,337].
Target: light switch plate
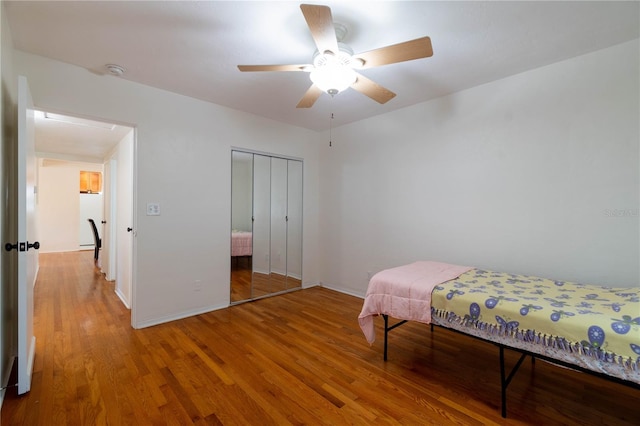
[153,209]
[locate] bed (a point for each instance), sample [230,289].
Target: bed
[590,328]
[241,243]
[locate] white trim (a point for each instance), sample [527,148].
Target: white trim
[181,315]
[133,285]
[268,154]
[342,290]
[31,357]
[122,298]
[312,284]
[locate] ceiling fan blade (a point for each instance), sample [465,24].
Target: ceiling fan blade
[406,51]
[372,89]
[310,97]
[321,26]
[251,68]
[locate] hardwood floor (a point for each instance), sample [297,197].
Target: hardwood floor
[298,358]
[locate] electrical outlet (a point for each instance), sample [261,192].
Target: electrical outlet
[197,285]
[153,209]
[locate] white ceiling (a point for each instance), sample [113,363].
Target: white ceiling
[76,139]
[193,48]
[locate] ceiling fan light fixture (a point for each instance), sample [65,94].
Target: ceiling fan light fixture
[333,78]
[333,73]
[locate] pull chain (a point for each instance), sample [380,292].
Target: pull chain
[330,129]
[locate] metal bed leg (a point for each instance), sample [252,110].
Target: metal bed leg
[504,381]
[503,385]
[387,329]
[386,334]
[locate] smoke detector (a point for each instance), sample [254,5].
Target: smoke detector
[115,70]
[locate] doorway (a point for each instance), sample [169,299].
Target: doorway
[74,145]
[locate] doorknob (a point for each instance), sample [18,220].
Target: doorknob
[129,229]
[22,246]
[103,222]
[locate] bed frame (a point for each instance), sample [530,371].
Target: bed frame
[505,378]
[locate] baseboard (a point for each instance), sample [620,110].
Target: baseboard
[181,315]
[311,284]
[67,250]
[30,360]
[342,290]
[122,298]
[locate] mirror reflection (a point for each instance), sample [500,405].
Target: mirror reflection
[241,225]
[266,225]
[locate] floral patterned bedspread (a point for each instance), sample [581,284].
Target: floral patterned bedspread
[598,321]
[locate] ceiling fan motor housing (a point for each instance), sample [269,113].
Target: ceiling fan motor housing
[333,72]
[344,56]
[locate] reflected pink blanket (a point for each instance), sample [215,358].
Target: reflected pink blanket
[241,243]
[404,293]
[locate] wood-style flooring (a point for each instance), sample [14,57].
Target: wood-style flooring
[298,358]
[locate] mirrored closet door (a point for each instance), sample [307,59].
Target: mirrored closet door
[266,225]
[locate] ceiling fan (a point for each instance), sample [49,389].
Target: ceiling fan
[334,64]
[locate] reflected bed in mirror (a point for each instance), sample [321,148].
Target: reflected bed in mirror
[241,260]
[241,243]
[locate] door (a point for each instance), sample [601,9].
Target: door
[27,242]
[260,279]
[124,220]
[110,226]
[278,248]
[241,225]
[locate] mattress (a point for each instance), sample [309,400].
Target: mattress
[594,327]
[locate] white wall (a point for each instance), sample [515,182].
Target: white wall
[184,164]
[91,207]
[59,218]
[534,174]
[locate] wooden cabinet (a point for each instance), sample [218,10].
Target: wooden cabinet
[90,182]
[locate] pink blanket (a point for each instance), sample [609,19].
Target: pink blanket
[241,243]
[404,293]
